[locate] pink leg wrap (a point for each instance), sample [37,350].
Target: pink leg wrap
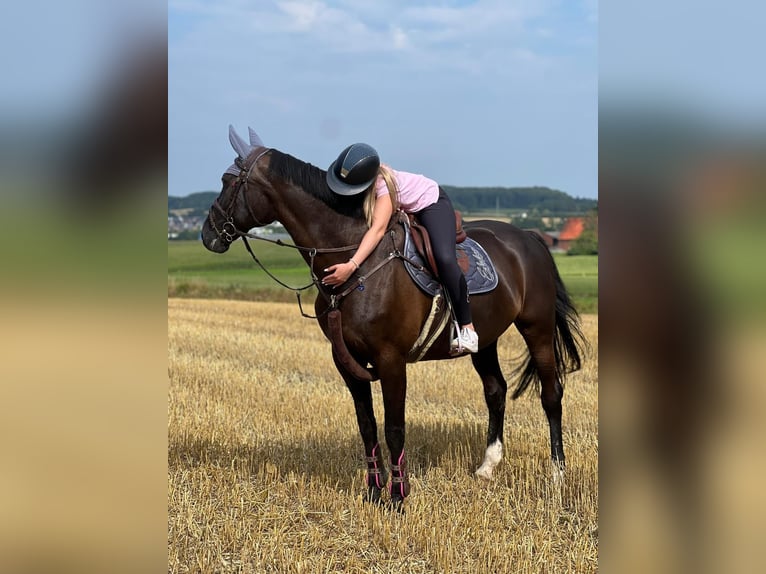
[400,482]
[375,470]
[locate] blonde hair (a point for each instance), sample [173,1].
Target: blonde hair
[371,197]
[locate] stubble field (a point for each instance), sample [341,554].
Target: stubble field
[265,467]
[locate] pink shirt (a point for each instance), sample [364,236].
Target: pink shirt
[416,192]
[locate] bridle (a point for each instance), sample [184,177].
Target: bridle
[229,232]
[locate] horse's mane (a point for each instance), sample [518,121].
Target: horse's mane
[311,179]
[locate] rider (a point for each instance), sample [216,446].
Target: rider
[358,170]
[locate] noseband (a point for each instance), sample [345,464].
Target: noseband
[229,232]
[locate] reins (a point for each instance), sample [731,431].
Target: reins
[333,299]
[312,251]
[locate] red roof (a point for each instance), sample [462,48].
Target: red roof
[572,229]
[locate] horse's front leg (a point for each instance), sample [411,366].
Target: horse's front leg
[393,381]
[361,392]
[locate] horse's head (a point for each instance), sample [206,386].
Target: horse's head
[239,207]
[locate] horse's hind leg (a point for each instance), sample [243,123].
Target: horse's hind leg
[539,338]
[361,392]
[486,364]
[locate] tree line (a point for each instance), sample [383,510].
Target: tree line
[540,200]
[536,200]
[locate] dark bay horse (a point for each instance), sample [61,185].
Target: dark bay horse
[383,317]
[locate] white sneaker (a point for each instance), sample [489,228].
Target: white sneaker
[467,339]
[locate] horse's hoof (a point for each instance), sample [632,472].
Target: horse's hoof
[396,505]
[483,472]
[558,474]
[372,496]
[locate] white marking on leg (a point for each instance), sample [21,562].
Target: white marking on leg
[557,483]
[492,457]
[557,475]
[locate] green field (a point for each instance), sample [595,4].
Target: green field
[194,271]
[580,275]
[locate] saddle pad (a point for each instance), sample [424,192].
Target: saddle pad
[479,271]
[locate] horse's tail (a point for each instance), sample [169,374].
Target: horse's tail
[568,340]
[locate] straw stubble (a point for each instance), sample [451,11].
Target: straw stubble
[265,470]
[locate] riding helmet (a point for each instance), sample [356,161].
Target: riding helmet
[354,170]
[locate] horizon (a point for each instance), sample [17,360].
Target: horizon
[445,185]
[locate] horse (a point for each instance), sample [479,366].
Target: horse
[383,311]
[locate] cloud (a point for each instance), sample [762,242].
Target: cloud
[372,26]
[303,14]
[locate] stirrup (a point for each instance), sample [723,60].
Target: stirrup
[455,336]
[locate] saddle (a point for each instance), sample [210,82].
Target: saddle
[478,269]
[422,240]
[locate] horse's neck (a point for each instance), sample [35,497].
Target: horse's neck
[312,223]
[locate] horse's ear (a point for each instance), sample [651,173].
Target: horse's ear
[255,139]
[239,145]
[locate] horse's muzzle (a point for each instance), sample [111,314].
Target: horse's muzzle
[212,240]
[217,245]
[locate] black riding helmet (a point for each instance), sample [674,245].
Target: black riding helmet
[354,170]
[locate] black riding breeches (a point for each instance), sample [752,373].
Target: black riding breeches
[439,220]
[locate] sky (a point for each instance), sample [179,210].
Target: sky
[469,93]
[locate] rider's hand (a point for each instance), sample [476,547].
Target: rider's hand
[338,274]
